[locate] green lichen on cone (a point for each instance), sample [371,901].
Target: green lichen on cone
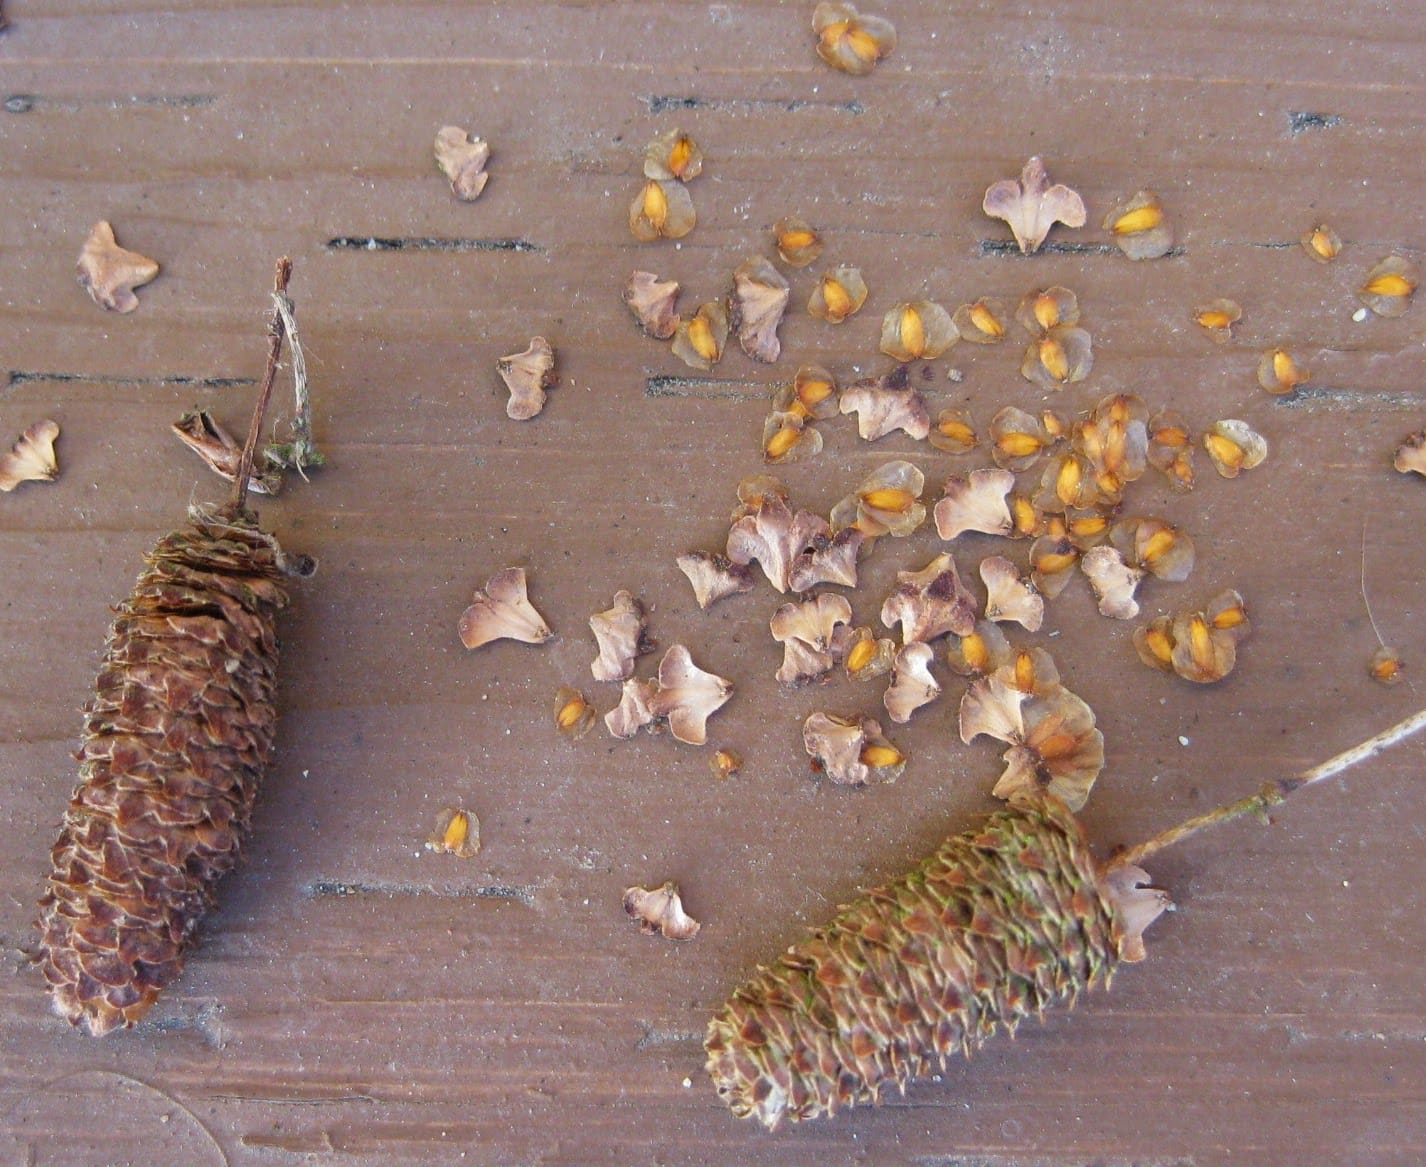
[1000,923]
[175,743]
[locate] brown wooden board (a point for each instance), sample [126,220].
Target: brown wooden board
[359,1000]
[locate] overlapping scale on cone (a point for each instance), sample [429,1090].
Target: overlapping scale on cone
[998,924]
[175,743]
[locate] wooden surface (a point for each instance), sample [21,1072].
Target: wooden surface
[357,1000]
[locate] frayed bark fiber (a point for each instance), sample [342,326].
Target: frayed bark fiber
[175,743]
[998,924]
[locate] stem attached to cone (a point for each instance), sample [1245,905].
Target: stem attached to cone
[1271,794]
[275,333]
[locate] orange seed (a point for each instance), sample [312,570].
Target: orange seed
[861,655]
[986,320]
[913,331]
[1139,219]
[782,441]
[1054,358]
[655,204]
[879,757]
[889,498]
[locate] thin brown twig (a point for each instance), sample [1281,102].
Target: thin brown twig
[275,333]
[1271,794]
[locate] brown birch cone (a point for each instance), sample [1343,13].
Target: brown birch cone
[176,740]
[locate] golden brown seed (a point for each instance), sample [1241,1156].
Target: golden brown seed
[1215,319]
[726,763]
[1019,445]
[837,298]
[1157,641]
[956,430]
[1024,672]
[1023,512]
[813,391]
[570,713]
[1200,642]
[782,441]
[1224,450]
[1233,617]
[1139,219]
[1159,544]
[976,652]
[1054,562]
[1054,358]
[1047,311]
[680,156]
[1386,666]
[861,655]
[1068,481]
[913,332]
[889,498]
[655,204]
[986,320]
[1322,243]
[456,832]
[700,336]
[1389,284]
[879,757]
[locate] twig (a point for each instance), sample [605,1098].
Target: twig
[275,332]
[1271,794]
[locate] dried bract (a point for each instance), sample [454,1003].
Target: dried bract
[1410,456]
[851,751]
[109,273]
[620,632]
[1140,227]
[1322,243]
[953,432]
[849,41]
[798,243]
[660,911]
[1113,582]
[912,684]
[975,502]
[1217,318]
[1032,206]
[502,611]
[1390,286]
[663,209]
[1234,447]
[527,375]
[806,630]
[760,296]
[840,293]
[1050,308]
[698,340]
[652,301]
[1054,745]
[207,438]
[687,696]
[1061,357]
[884,405]
[1279,372]
[673,156]
[462,158]
[32,457]
[830,557]
[714,576]
[981,322]
[930,603]
[917,331]
[634,710]
[773,535]
[1008,597]
[457,833]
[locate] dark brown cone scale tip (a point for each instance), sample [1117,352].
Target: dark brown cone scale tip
[998,924]
[176,740]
